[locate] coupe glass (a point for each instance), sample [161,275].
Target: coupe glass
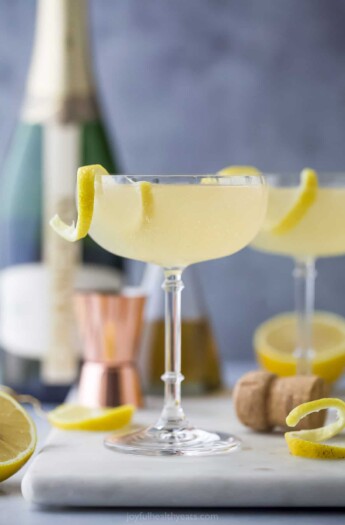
[319,233]
[175,221]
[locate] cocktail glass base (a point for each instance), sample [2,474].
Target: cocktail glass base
[181,442]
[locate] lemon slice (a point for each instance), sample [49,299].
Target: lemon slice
[305,198]
[86,194]
[275,341]
[77,417]
[17,436]
[306,443]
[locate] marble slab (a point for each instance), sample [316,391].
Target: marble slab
[75,469]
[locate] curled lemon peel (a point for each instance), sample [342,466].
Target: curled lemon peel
[306,443]
[86,195]
[86,177]
[146,201]
[305,199]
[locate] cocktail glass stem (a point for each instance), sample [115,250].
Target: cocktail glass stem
[172,434]
[172,417]
[304,275]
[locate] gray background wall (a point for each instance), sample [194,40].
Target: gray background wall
[192,85]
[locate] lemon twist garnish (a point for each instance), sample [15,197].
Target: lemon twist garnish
[86,195]
[233,171]
[86,176]
[146,201]
[305,198]
[77,417]
[306,443]
[18,436]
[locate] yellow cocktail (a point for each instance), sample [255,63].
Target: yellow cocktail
[189,223]
[171,221]
[321,233]
[317,230]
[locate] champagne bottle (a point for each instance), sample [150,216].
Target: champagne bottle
[60,129]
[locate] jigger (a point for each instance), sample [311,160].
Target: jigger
[110,326]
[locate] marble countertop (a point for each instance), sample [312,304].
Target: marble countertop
[13,505]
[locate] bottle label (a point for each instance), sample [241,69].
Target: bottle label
[61,158]
[24,314]
[25,304]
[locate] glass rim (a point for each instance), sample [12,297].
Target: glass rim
[236,180]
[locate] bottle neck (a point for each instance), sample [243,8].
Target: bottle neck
[60,81]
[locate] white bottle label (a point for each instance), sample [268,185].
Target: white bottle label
[24,310]
[61,158]
[25,304]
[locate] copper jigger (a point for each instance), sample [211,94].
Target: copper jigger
[110,327]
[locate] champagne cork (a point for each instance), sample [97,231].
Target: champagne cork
[263,400]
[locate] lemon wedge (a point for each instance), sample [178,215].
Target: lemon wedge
[306,443]
[17,436]
[275,341]
[305,198]
[86,194]
[77,417]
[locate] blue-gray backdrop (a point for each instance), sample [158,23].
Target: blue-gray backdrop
[192,85]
